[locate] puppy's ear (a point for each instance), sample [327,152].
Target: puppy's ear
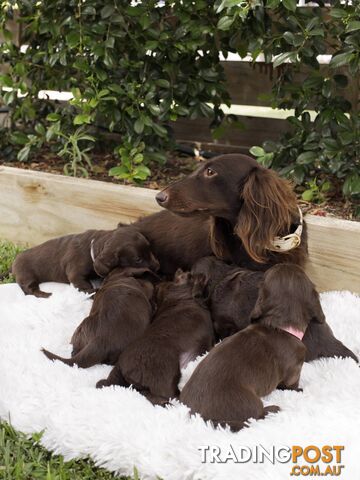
[100,267]
[257,311]
[316,312]
[269,206]
[200,284]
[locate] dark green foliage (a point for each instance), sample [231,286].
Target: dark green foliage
[133,68]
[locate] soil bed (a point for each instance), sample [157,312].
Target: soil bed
[177,166]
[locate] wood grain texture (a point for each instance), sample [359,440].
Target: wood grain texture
[37,206]
[254,131]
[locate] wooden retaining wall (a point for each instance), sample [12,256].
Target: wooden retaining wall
[37,206]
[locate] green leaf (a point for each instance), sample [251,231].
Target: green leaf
[306,157]
[40,129]
[73,39]
[352,185]
[82,118]
[257,151]
[308,195]
[107,11]
[139,126]
[154,109]
[141,172]
[289,4]
[283,57]
[139,158]
[353,26]
[272,4]
[338,13]
[53,117]
[225,23]
[159,130]
[6,81]
[266,160]
[19,138]
[289,37]
[341,59]
[162,82]
[119,172]
[23,154]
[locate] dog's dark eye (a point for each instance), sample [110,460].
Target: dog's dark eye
[209,172]
[138,260]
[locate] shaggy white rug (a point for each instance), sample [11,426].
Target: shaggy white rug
[119,429]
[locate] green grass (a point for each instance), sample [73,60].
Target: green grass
[21,456]
[8,251]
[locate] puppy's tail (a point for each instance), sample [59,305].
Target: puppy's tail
[87,357]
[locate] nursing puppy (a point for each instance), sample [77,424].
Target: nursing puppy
[121,311]
[78,258]
[230,292]
[180,331]
[227,385]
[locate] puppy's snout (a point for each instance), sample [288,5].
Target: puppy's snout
[162,198]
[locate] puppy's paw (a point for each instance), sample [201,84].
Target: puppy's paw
[40,294]
[102,383]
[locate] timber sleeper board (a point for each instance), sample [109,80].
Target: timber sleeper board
[37,206]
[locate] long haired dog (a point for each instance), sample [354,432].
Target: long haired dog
[121,312]
[81,257]
[249,212]
[228,384]
[180,331]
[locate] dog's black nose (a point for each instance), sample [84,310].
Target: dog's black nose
[161,198]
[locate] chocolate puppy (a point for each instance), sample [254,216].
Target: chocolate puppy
[78,258]
[231,293]
[227,385]
[121,311]
[181,330]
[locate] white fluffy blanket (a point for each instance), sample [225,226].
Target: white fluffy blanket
[119,429]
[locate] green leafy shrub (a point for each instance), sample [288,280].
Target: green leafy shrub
[135,67]
[130,68]
[327,148]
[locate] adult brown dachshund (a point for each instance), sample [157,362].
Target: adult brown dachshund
[233,208]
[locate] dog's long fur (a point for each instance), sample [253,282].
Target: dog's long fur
[234,213]
[181,330]
[121,312]
[68,259]
[227,385]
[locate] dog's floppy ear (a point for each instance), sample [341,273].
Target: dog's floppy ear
[316,312]
[100,267]
[269,205]
[257,311]
[200,284]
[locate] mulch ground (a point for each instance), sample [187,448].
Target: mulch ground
[177,166]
